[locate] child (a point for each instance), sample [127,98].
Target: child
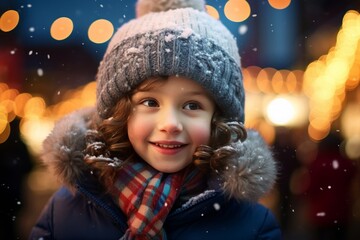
[164,155]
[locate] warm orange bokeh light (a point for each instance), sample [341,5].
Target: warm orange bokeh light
[100,31]
[61,28]
[212,12]
[237,10]
[279,4]
[3,119]
[9,20]
[4,135]
[20,102]
[34,107]
[277,82]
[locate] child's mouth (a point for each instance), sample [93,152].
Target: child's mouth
[169,146]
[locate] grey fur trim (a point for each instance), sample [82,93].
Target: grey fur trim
[63,148]
[252,172]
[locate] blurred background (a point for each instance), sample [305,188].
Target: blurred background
[301,65]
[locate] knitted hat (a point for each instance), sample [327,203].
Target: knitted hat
[172,38]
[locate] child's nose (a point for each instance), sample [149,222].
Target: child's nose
[170,121]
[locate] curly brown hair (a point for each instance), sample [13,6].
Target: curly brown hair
[109,148]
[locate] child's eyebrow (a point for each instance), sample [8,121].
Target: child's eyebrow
[198,93]
[183,91]
[195,93]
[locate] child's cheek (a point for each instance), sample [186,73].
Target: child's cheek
[139,127]
[200,133]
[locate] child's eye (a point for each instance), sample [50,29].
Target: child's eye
[192,106]
[150,103]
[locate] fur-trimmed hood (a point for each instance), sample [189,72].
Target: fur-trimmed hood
[249,175]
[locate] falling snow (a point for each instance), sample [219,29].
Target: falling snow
[169,37]
[186,33]
[65,149]
[40,72]
[133,50]
[320,214]
[217,206]
[335,164]
[243,29]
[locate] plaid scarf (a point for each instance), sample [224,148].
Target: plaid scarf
[146,196]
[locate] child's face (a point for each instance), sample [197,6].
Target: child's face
[169,122]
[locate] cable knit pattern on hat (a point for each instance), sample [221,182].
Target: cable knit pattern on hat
[181,42]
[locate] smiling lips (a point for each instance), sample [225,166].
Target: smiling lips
[169,148]
[168,145]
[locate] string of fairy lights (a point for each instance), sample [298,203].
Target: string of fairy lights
[312,97]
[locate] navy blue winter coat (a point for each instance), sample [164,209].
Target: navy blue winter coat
[82,210]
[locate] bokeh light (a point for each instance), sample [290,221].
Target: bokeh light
[212,12]
[327,80]
[61,28]
[280,111]
[237,10]
[3,119]
[4,135]
[20,102]
[100,31]
[279,4]
[9,20]
[352,147]
[350,120]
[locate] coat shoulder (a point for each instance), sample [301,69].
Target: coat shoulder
[223,218]
[69,215]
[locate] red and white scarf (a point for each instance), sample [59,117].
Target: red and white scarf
[146,196]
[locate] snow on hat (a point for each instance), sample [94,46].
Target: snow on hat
[172,38]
